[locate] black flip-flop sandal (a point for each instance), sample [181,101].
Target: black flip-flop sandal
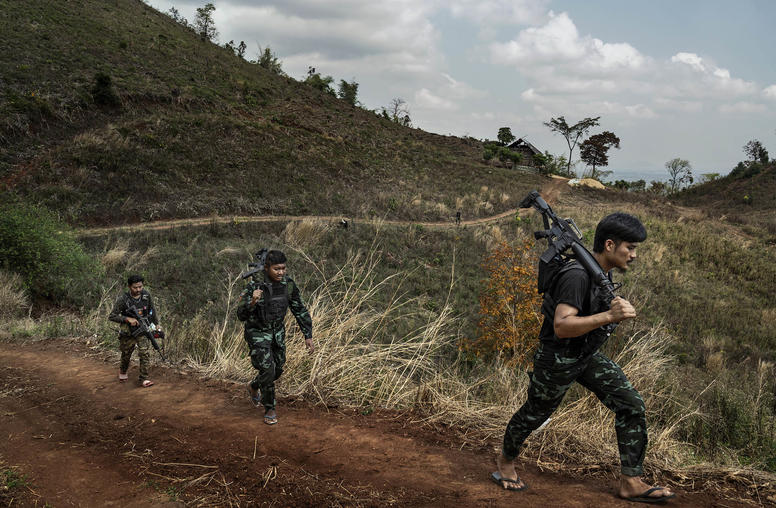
[506,483]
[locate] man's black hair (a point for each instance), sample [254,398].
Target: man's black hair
[134,278]
[275,257]
[620,227]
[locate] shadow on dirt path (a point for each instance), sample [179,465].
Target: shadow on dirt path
[85,439]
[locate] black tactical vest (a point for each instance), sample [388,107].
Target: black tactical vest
[275,302]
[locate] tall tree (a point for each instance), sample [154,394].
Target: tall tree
[594,151]
[348,92]
[572,133]
[756,151]
[398,111]
[204,24]
[269,60]
[505,136]
[679,174]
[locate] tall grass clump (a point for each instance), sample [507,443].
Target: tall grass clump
[14,301]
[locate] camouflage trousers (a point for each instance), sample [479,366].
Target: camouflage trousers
[553,375]
[268,356]
[127,346]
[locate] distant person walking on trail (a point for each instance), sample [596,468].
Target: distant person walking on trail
[263,305]
[135,302]
[571,311]
[458,218]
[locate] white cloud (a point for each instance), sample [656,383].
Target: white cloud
[487,115]
[566,71]
[770,92]
[424,98]
[691,59]
[640,111]
[743,107]
[705,79]
[685,106]
[371,28]
[519,12]
[558,43]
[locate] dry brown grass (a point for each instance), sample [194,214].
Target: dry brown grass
[305,233]
[120,254]
[14,301]
[360,361]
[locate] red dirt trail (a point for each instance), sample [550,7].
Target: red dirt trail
[84,439]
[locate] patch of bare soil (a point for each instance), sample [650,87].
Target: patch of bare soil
[84,439]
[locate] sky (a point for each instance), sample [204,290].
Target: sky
[693,79]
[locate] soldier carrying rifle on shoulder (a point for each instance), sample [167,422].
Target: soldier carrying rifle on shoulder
[263,305]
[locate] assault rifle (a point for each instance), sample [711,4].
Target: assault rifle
[258,266]
[146,329]
[563,235]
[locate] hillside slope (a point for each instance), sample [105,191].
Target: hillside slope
[186,128]
[746,196]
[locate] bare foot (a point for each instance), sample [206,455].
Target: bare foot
[506,469]
[633,487]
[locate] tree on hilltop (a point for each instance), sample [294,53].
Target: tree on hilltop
[679,174]
[204,24]
[269,60]
[322,83]
[572,133]
[398,111]
[505,136]
[756,152]
[348,92]
[594,152]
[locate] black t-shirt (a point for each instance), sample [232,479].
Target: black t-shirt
[571,288]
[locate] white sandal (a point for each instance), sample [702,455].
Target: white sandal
[123,376]
[146,383]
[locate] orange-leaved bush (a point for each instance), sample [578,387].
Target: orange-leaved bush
[509,306]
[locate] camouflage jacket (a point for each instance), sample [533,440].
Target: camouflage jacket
[144,305]
[268,313]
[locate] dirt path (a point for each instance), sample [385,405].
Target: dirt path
[84,439]
[551,191]
[205,221]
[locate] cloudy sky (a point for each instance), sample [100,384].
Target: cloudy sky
[694,79]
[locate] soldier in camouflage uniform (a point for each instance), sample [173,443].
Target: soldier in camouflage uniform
[140,299]
[571,312]
[262,307]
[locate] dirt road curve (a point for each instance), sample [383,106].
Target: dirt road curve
[204,221]
[84,439]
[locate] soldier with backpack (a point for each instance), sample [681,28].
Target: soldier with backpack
[568,352]
[263,305]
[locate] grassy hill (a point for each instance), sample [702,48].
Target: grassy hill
[186,129]
[746,196]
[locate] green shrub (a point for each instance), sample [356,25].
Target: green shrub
[103,92]
[39,247]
